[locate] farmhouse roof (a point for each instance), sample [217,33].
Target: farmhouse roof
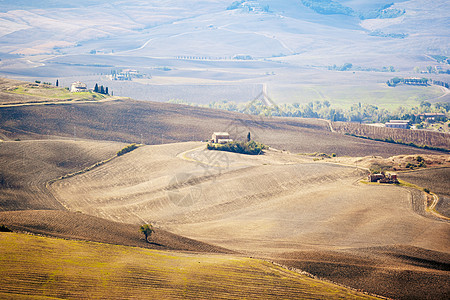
[221,133]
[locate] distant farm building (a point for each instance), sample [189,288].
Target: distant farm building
[78,86]
[431,116]
[126,74]
[403,124]
[382,178]
[221,137]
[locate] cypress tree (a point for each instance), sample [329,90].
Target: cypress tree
[102,89]
[57,82]
[96,88]
[106,91]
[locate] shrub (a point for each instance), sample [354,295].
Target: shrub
[3,228]
[127,149]
[410,166]
[426,190]
[333,155]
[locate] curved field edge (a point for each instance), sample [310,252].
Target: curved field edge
[74,269]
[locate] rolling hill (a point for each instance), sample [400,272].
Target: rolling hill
[300,211]
[92,270]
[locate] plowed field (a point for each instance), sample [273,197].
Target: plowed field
[84,270]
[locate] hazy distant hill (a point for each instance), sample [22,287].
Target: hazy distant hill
[284,44]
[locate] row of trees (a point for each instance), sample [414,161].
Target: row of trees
[358,112]
[101,89]
[410,81]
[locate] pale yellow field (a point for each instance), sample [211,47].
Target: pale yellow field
[85,270]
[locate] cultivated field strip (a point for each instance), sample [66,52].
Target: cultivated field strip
[98,271]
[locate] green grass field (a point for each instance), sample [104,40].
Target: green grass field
[56,93]
[46,268]
[343,96]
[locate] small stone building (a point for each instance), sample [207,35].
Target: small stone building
[221,137]
[78,86]
[403,124]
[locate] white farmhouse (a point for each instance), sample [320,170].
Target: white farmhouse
[77,87]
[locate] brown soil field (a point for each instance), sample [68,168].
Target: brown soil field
[437,180]
[26,166]
[273,206]
[78,226]
[398,272]
[418,137]
[158,123]
[86,270]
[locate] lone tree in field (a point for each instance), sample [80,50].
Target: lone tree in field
[57,82]
[147,230]
[249,138]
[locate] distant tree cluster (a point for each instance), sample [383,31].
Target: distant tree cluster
[409,81]
[101,89]
[358,112]
[441,83]
[351,67]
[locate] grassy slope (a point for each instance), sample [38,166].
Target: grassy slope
[18,92]
[90,270]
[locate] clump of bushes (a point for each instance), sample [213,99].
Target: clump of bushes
[251,147]
[3,228]
[127,149]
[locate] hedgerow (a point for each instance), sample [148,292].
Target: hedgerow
[127,149]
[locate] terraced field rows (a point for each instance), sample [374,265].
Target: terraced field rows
[90,270]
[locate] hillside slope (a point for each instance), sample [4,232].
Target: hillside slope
[26,167]
[305,214]
[159,123]
[78,226]
[92,270]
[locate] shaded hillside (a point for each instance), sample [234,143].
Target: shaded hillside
[157,123]
[72,225]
